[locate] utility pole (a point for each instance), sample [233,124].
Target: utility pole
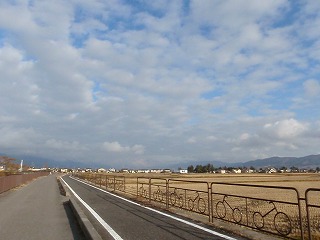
[21,165]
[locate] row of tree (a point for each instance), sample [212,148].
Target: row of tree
[209,168]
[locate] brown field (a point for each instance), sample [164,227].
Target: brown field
[300,181]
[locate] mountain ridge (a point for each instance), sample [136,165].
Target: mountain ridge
[310,161]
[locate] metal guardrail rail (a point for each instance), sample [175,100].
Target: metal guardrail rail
[283,212]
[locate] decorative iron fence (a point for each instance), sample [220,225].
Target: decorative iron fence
[113,183]
[192,196]
[153,189]
[277,210]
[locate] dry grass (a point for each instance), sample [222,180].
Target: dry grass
[299,181]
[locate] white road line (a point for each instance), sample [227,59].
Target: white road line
[164,214]
[96,215]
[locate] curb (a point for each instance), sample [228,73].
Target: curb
[86,226]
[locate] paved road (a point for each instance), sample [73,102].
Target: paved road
[37,211]
[132,221]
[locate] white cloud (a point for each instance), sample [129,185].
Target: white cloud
[244,136]
[138,149]
[118,148]
[211,138]
[114,147]
[191,140]
[22,138]
[237,80]
[311,88]
[63,145]
[288,128]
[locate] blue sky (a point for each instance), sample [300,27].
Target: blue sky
[143,84]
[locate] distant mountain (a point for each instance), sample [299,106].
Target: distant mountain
[311,161]
[308,162]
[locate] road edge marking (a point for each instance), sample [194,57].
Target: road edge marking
[161,213]
[110,230]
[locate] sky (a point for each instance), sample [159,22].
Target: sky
[147,84]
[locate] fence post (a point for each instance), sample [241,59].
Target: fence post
[209,203]
[137,187]
[149,189]
[106,185]
[167,193]
[247,215]
[300,216]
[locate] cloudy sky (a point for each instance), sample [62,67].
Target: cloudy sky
[139,83]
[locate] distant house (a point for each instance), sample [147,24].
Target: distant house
[183,171]
[40,169]
[223,171]
[155,170]
[2,168]
[143,171]
[271,170]
[101,170]
[237,170]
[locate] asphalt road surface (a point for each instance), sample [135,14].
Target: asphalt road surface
[118,218]
[37,211]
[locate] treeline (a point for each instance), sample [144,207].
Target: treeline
[208,168]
